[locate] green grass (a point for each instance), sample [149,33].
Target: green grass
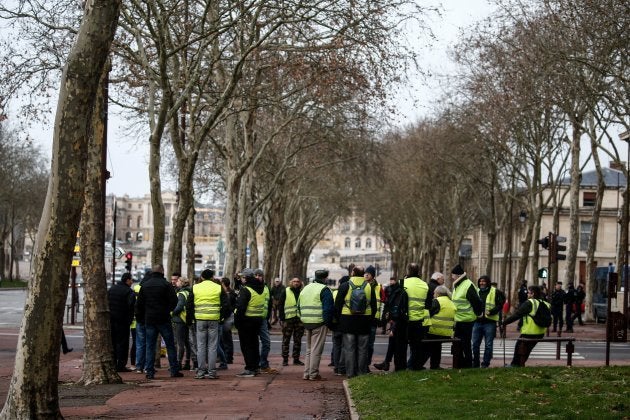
[550,392]
[12,283]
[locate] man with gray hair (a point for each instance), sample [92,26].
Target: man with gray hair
[442,315]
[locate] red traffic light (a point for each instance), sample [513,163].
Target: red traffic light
[129,255]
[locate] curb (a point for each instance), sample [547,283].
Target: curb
[352,408]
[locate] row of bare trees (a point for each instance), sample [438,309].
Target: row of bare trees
[542,91]
[270,103]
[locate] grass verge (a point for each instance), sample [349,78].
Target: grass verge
[12,283]
[551,392]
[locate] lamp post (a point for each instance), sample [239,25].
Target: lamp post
[625,136]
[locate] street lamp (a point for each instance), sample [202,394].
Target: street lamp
[625,136]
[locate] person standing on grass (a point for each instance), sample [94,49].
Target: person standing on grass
[530,329]
[485,327]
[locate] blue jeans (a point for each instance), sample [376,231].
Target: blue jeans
[265,344]
[166,331]
[485,331]
[207,343]
[355,352]
[141,346]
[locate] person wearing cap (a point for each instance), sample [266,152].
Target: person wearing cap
[263,335]
[468,306]
[485,327]
[315,308]
[121,311]
[248,318]
[291,324]
[276,293]
[210,306]
[418,312]
[156,300]
[355,326]
[370,277]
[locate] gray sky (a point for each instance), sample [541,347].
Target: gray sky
[127,157]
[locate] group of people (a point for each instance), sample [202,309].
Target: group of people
[195,321]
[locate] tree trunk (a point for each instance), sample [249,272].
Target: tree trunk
[33,391]
[190,246]
[574,222]
[98,364]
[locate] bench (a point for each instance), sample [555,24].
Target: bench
[570,347]
[456,349]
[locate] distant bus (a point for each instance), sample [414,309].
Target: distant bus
[600,293]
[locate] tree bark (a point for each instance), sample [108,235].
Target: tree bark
[33,392]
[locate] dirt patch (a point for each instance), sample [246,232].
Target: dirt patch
[72,394]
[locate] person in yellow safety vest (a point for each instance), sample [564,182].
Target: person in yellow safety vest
[315,307]
[356,325]
[530,329]
[140,339]
[485,327]
[370,277]
[291,324]
[419,303]
[210,306]
[442,314]
[263,335]
[248,318]
[179,318]
[468,307]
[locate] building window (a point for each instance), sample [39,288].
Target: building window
[357,243]
[139,205]
[347,243]
[368,243]
[139,222]
[129,221]
[588,199]
[585,234]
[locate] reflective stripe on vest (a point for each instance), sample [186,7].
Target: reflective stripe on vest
[207,295]
[290,305]
[529,326]
[255,304]
[490,300]
[442,323]
[310,304]
[463,309]
[417,291]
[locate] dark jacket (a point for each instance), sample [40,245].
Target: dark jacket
[276,292]
[181,305]
[156,300]
[353,324]
[557,300]
[121,300]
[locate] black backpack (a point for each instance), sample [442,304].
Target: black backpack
[397,305]
[358,299]
[542,317]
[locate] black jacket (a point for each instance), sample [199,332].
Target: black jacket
[244,297]
[156,300]
[353,324]
[121,300]
[499,300]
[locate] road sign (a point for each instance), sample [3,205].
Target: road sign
[119,252]
[248,252]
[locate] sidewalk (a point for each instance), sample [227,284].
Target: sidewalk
[282,396]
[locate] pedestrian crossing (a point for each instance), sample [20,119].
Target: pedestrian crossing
[544,350]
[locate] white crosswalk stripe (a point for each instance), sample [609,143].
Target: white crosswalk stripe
[541,351]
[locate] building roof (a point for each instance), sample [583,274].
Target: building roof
[612,179]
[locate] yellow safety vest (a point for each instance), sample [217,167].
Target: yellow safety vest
[358,281]
[463,309]
[442,323]
[266,296]
[207,295]
[529,326]
[310,304]
[290,304]
[255,304]
[490,299]
[182,314]
[417,291]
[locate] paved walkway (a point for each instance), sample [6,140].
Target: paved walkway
[282,396]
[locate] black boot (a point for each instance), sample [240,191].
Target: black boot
[382,366]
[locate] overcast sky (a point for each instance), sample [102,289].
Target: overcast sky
[127,159]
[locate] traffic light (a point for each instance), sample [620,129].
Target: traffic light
[545,242]
[128,261]
[555,248]
[543,273]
